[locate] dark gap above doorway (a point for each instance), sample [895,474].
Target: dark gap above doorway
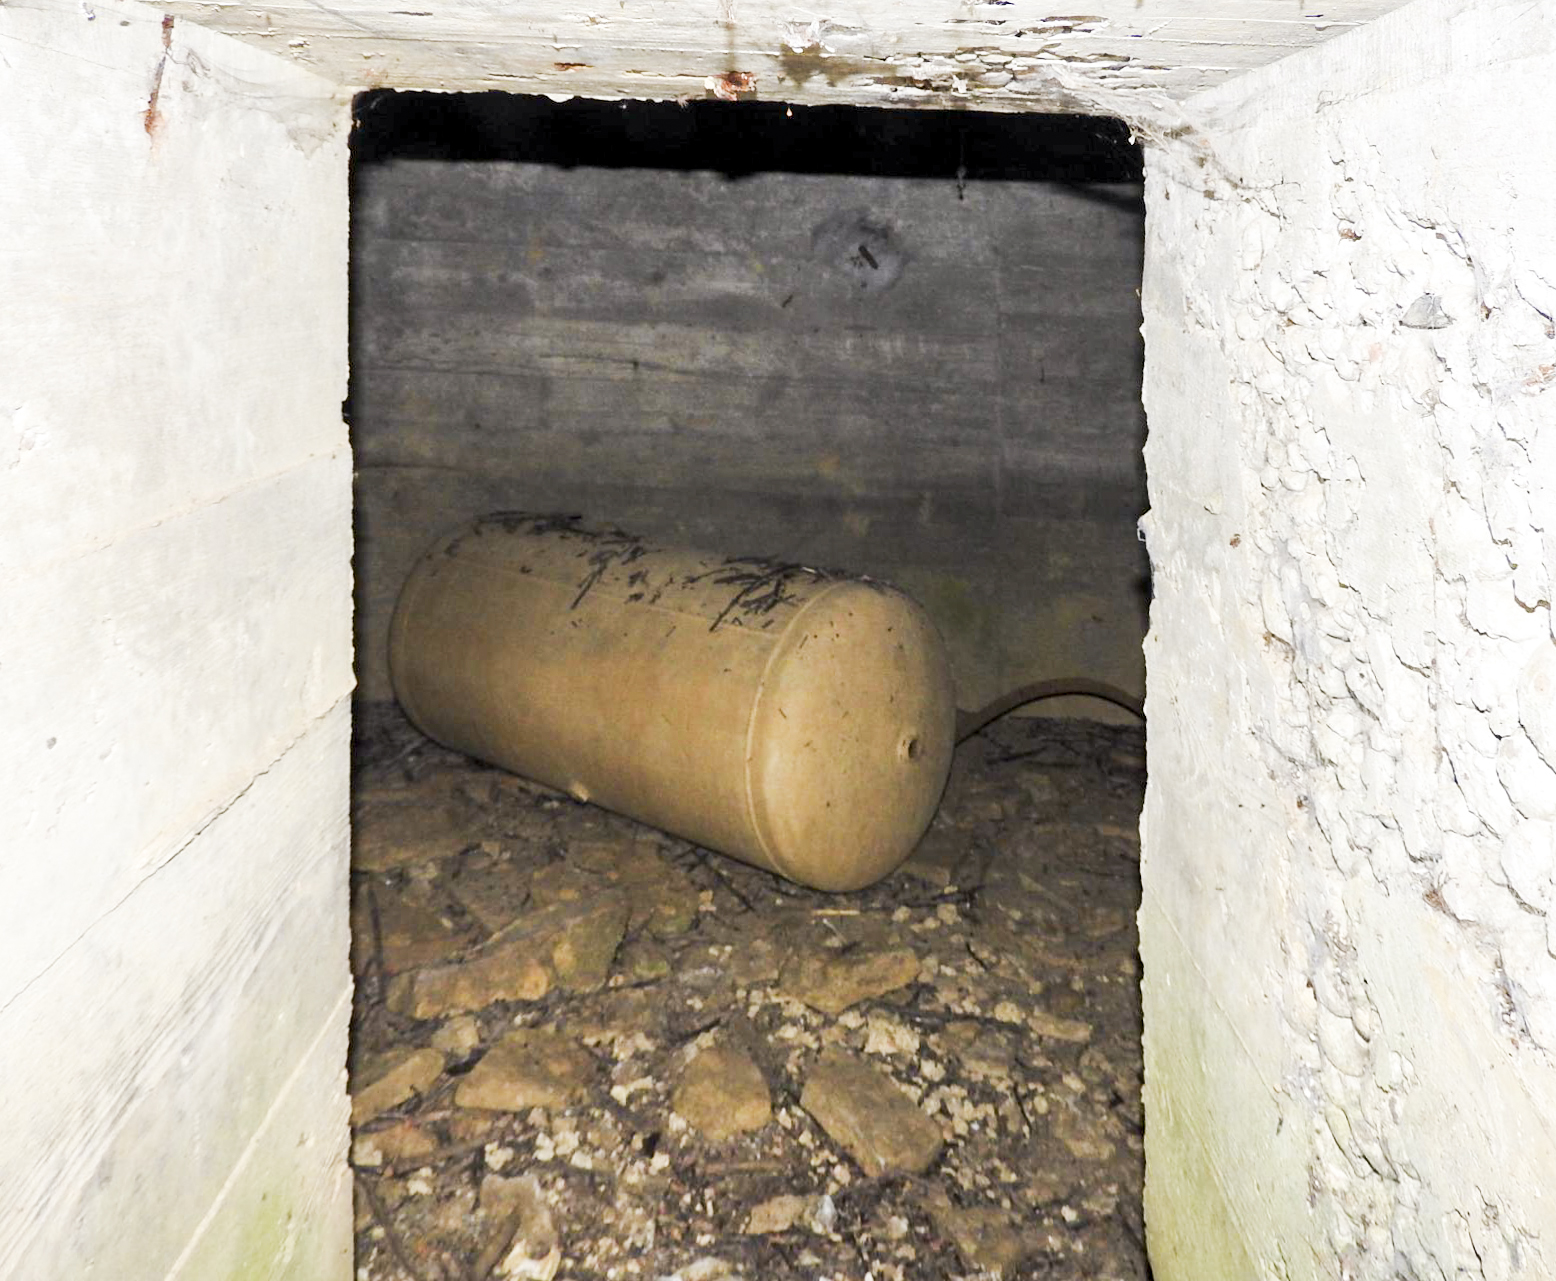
[741,138]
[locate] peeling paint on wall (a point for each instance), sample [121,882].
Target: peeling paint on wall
[1353,462]
[993,56]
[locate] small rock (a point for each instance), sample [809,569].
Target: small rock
[885,1034]
[1046,1185]
[1040,789]
[663,897]
[458,1037]
[705,1269]
[563,882]
[401,1076]
[1073,1031]
[832,983]
[388,925]
[983,808]
[567,945]
[508,973]
[1100,922]
[644,961]
[866,1113]
[391,834]
[528,1068]
[495,891]
[987,1238]
[401,1143]
[985,1053]
[582,951]
[535,1253]
[722,1093]
[1083,1134]
[937,858]
[756,960]
[777,1214]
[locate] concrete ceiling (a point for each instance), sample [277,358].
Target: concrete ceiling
[1095,55]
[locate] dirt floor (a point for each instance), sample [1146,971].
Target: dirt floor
[585,1049]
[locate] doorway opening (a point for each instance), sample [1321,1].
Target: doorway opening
[902,343]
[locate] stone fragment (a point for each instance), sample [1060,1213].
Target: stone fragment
[984,1053]
[722,1093]
[1040,789]
[937,858]
[663,898]
[777,1214]
[757,959]
[458,1037]
[1529,780]
[1081,1132]
[390,834]
[507,973]
[704,1269]
[885,1034]
[1537,701]
[1102,921]
[402,1143]
[988,1239]
[568,945]
[534,1252]
[866,1113]
[582,950]
[1529,862]
[562,882]
[1074,1031]
[644,961]
[1046,1185]
[832,983]
[528,1068]
[393,1079]
[389,925]
[493,890]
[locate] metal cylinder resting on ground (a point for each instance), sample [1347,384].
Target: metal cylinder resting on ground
[799,720]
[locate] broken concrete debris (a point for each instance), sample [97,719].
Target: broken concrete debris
[582,1048]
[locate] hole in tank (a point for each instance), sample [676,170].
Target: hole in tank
[900,344]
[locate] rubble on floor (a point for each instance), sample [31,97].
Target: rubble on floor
[586,1049]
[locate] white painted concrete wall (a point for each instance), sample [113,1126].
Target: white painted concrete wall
[174,653]
[1349,843]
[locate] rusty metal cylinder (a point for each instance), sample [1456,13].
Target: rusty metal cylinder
[799,720]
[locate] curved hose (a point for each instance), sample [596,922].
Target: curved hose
[969,723]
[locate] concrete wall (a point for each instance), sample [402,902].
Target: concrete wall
[1350,994]
[710,361]
[174,653]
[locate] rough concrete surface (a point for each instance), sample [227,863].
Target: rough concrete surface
[689,357]
[877,53]
[1350,992]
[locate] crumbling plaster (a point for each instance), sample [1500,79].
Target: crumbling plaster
[1350,319]
[989,54]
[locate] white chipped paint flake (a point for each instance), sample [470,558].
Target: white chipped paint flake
[1426,312]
